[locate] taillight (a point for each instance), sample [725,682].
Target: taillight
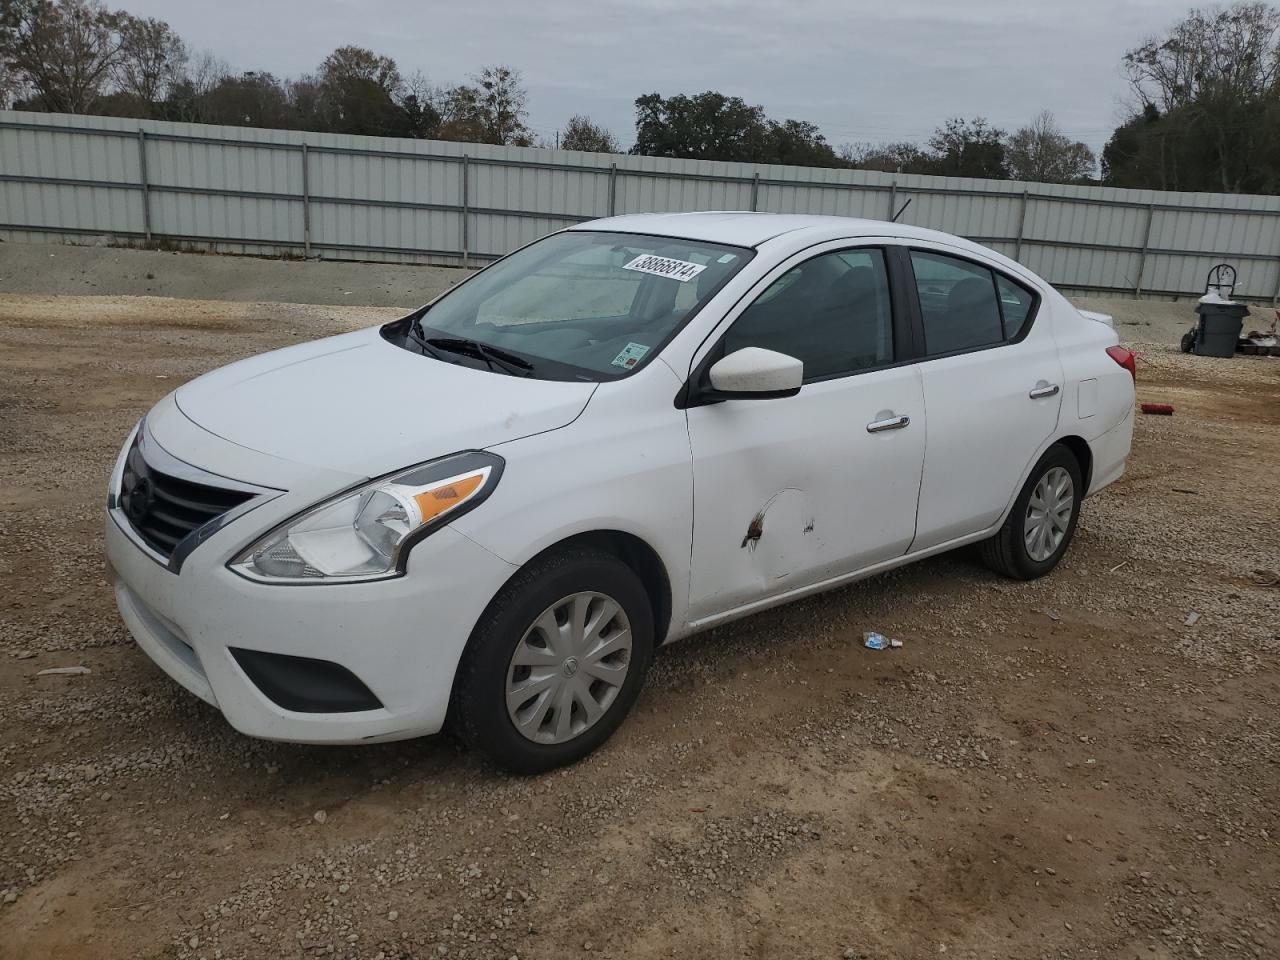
[1126,359]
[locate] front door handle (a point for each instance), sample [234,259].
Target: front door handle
[890,423]
[1042,390]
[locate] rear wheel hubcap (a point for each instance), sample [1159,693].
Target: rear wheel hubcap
[568,668]
[1048,514]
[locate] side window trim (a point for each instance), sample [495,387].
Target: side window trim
[917,314]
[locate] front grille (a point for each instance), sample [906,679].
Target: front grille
[163,509]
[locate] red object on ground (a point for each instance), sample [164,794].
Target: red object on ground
[1164,409]
[1126,358]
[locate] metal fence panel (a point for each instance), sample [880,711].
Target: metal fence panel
[287,192]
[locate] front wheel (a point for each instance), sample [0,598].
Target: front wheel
[1040,526]
[556,661]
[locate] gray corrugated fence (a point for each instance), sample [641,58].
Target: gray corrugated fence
[283,192]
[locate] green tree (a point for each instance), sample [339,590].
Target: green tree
[419,101]
[971,148]
[708,126]
[580,133]
[1207,91]
[252,99]
[356,91]
[800,143]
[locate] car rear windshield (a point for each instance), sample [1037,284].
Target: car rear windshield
[577,305]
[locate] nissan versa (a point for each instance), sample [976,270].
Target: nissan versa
[490,512]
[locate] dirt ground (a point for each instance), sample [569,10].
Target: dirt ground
[1060,769]
[70,269]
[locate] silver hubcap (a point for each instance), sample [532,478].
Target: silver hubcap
[1049,514]
[568,668]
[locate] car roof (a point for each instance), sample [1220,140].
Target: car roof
[747,229]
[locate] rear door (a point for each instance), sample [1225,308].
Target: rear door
[790,492]
[992,387]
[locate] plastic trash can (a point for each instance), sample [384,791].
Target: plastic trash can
[1219,328]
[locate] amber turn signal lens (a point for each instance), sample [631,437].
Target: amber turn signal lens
[431,503]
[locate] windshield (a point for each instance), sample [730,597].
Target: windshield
[578,305]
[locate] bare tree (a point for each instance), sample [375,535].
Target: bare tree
[1041,152]
[1225,52]
[1210,79]
[420,99]
[581,133]
[151,58]
[12,87]
[63,49]
[502,102]
[900,157]
[189,92]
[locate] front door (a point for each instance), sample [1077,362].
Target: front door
[790,492]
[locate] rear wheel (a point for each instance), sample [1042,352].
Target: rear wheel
[556,661]
[1040,526]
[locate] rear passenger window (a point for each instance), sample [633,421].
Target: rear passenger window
[1015,304]
[958,303]
[832,313]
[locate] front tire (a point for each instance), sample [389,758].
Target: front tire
[556,661]
[1040,526]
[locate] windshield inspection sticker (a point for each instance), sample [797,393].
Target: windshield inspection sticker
[681,270]
[631,354]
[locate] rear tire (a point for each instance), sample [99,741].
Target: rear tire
[533,690]
[1036,534]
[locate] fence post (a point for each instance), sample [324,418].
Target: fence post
[1142,256]
[755,191]
[306,204]
[466,211]
[1275,295]
[893,199]
[613,188]
[1022,225]
[146,187]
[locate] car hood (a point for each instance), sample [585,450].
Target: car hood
[358,404]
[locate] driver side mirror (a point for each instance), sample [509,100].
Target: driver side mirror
[755,373]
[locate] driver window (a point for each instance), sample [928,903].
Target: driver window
[833,313]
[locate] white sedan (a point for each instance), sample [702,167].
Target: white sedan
[491,512]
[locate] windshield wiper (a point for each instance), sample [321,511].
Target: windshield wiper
[494,356]
[418,336]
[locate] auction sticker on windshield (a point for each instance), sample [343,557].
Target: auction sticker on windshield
[681,270]
[630,355]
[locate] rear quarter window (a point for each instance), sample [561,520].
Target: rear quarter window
[1016,302]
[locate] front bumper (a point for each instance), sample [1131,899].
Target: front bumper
[402,638]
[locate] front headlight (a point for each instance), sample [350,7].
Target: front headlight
[365,534]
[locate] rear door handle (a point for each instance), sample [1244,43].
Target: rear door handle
[891,423]
[1042,390]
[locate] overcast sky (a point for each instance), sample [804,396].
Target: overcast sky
[863,71]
